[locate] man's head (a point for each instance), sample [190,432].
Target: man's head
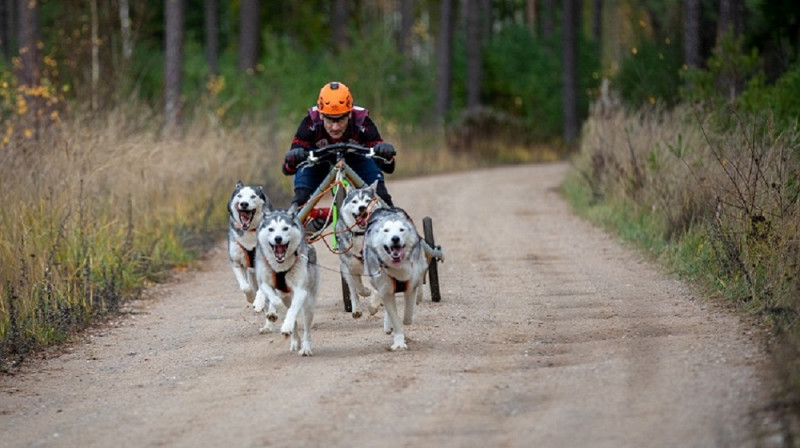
[335,105]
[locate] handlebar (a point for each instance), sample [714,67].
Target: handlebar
[339,150]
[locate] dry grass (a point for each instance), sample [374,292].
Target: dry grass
[716,196]
[96,209]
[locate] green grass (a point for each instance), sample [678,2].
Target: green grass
[714,200]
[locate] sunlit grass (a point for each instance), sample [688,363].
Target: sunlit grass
[714,197]
[98,208]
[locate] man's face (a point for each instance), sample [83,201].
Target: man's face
[336,125]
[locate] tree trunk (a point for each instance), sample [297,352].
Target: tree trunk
[570,71]
[28,71]
[531,16]
[173,63]
[6,25]
[404,37]
[339,22]
[729,17]
[211,36]
[548,13]
[125,31]
[474,61]
[597,20]
[444,57]
[691,33]
[248,35]
[95,45]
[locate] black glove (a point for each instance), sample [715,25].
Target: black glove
[385,151]
[293,158]
[385,157]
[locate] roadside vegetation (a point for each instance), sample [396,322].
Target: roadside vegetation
[99,202]
[710,186]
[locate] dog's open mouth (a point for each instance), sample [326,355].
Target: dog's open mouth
[396,253]
[246,218]
[360,219]
[280,251]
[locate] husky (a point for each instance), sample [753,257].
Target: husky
[395,262]
[245,210]
[287,275]
[350,228]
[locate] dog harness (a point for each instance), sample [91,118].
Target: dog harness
[279,278]
[249,254]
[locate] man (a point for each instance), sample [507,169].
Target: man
[333,120]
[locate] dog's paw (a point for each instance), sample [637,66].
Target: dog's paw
[249,294]
[305,350]
[267,328]
[356,314]
[294,344]
[287,329]
[408,320]
[259,303]
[373,305]
[272,316]
[399,343]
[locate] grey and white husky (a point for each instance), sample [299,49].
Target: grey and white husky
[350,228]
[245,210]
[288,276]
[395,262]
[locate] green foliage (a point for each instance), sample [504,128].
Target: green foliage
[782,99]
[716,198]
[523,79]
[521,75]
[728,70]
[650,74]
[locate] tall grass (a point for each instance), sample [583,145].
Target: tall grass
[98,208]
[716,196]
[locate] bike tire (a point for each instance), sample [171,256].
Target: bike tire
[433,269]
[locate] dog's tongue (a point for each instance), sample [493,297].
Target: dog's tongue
[397,254]
[280,251]
[245,217]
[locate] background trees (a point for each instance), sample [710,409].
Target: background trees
[532,66]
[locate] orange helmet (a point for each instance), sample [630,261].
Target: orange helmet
[334,99]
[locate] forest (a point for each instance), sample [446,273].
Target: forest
[122,122]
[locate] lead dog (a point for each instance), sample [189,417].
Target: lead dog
[395,262]
[245,209]
[287,275]
[350,229]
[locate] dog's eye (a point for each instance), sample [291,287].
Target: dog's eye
[285,228]
[270,229]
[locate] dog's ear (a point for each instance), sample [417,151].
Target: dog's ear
[373,187]
[239,184]
[263,196]
[292,210]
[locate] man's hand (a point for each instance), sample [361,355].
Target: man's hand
[385,151]
[293,158]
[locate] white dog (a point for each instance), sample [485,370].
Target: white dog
[287,274]
[395,262]
[350,229]
[245,210]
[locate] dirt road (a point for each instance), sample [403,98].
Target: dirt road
[549,334]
